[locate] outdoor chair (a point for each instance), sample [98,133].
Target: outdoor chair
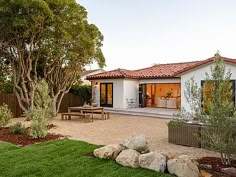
[131,103]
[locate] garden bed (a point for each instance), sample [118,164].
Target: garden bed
[24,139]
[214,166]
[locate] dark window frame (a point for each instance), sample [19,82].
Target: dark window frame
[107,105]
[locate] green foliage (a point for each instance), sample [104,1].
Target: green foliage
[221,119]
[65,158]
[6,82]
[176,122]
[42,111]
[43,100]
[17,128]
[50,39]
[168,94]
[38,127]
[218,113]
[6,86]
[83,91]
[5,115]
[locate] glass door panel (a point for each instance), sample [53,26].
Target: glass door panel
[106,94]
[103,94]
[109,94]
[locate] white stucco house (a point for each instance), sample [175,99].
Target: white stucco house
[160,86]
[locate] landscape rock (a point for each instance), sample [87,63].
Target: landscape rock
[128,158]
[229,171]
[108,152]
[183,166]
[138,143]
[153,161]
[205,166]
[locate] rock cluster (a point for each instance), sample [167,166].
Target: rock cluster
[135,153]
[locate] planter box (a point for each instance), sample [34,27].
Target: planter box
[185,134]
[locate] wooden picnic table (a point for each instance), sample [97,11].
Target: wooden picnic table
[89,109]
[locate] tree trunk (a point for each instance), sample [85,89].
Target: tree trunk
[54,105]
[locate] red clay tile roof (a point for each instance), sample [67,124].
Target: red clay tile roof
[158,71]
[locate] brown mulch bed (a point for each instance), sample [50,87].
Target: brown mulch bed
[214,166]
[25,139]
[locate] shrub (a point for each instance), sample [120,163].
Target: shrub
[38,128]
[41,112]
[17,128]
[5,115]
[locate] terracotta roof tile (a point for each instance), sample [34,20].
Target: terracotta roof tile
[157,71]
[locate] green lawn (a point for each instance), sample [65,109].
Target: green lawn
[4,147]
[62,158]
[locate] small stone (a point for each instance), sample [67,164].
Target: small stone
[205,166]
[204,173]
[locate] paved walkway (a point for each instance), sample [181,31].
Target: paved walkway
[121,127]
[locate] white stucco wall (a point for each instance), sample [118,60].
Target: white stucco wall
[118,91]
[130,91]
[199,75]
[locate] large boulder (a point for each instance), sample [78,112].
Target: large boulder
[138,143]
[183,166]
[153,161]
[128,158]
[108,152]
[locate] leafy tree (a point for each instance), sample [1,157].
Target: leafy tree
[48,39]
[218,111]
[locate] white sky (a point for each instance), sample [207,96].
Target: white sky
[139,33]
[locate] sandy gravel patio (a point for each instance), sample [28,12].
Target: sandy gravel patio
[121,127]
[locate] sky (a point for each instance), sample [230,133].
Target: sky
[140,33]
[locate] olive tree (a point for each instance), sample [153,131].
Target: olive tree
[217,111]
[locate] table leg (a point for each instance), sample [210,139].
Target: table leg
[69,117]
[81,112]
[103,114]
[92,115]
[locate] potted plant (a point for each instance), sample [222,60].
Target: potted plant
[168,94]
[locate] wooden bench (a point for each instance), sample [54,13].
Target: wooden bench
[68,115]
[106,114]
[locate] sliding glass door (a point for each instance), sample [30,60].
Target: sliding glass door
[106,94]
